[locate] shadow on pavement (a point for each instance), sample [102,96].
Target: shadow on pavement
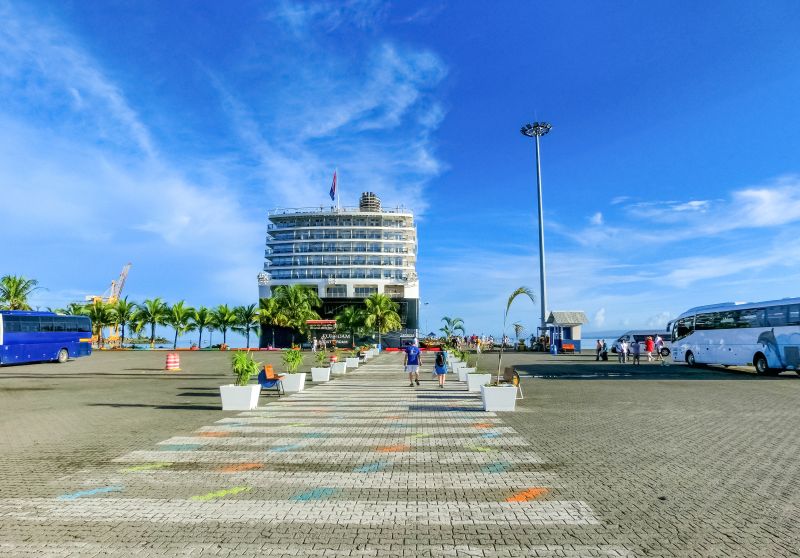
[613,371]
[444,408]
[164,407]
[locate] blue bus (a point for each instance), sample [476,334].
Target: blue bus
[43,336]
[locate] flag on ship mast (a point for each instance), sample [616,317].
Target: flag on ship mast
[333,186]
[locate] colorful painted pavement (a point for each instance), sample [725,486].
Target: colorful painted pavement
[361,466]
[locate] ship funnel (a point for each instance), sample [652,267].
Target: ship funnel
[369,202]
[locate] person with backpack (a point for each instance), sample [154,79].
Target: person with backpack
[412,362]
[440,367]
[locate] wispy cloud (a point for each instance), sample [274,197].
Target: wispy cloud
[302,17]
[375,122]
[43,71]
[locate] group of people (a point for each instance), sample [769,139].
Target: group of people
[632,351]
[413,361]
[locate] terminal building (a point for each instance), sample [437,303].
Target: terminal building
[346,254]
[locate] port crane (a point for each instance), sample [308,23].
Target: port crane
[111,296]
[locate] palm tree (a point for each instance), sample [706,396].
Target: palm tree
[246,319]
[180,318]
[381,314]
[269,314]
[15,290]
[123,313]
[223,319]
[202,320]
[351,320]
[75,309]
[451,326]
[102,315]
[152,312]
[520,291]
[296,303]
[518,329]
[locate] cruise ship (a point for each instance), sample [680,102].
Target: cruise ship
[346,254]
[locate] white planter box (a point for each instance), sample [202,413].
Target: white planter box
[320,374]
[351,362]
[239,398]
[475,381]
[338,368]
[464,371]
[292,383]
[499,398]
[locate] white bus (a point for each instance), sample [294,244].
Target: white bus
[761,334]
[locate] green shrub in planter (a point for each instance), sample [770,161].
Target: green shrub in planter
[321,358]
[244,366]
[292,358]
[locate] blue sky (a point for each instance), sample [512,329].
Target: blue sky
[161,133]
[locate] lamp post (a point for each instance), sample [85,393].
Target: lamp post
[536,130]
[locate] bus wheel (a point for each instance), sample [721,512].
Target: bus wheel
[690,359]
[762,368]
[63,356]
[664,352]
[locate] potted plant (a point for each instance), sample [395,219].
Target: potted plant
[476,380]
[338,365]
[241,395]
[321,372]
[499,397]
[352,360]
[293,381]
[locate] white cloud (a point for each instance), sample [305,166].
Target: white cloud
[303,17]
[599,318]
[596,219]
[41,69]
[374,124]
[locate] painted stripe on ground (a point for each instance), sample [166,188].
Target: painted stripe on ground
[334,457]
[388,513]
[317,440]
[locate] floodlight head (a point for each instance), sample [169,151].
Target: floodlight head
[535,129]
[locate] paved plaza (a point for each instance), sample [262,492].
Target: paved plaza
[367,466]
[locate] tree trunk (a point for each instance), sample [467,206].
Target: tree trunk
[122,337]
[175,343]
[248,337]
[152,333]
[200,340]
[225,336]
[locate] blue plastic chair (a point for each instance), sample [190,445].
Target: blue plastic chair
[270,383]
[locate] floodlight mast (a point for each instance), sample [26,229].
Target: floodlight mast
[536,130]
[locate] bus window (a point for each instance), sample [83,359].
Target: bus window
[794,315]
[776,316]
[683,327]
[704,321]
[753,317]
[28,324]
[11,324]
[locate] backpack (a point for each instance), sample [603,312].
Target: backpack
[440,359]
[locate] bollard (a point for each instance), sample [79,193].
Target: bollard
[173,361]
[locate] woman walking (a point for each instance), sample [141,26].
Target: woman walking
[440,367]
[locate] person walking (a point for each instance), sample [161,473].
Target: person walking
[659,344]
[604,351]
[440,367]
[636,350]
[649,347]
[623,351]
[412,362]
[598,349]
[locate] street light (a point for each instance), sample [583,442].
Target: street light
[536,130]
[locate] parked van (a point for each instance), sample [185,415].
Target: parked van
[641,336]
